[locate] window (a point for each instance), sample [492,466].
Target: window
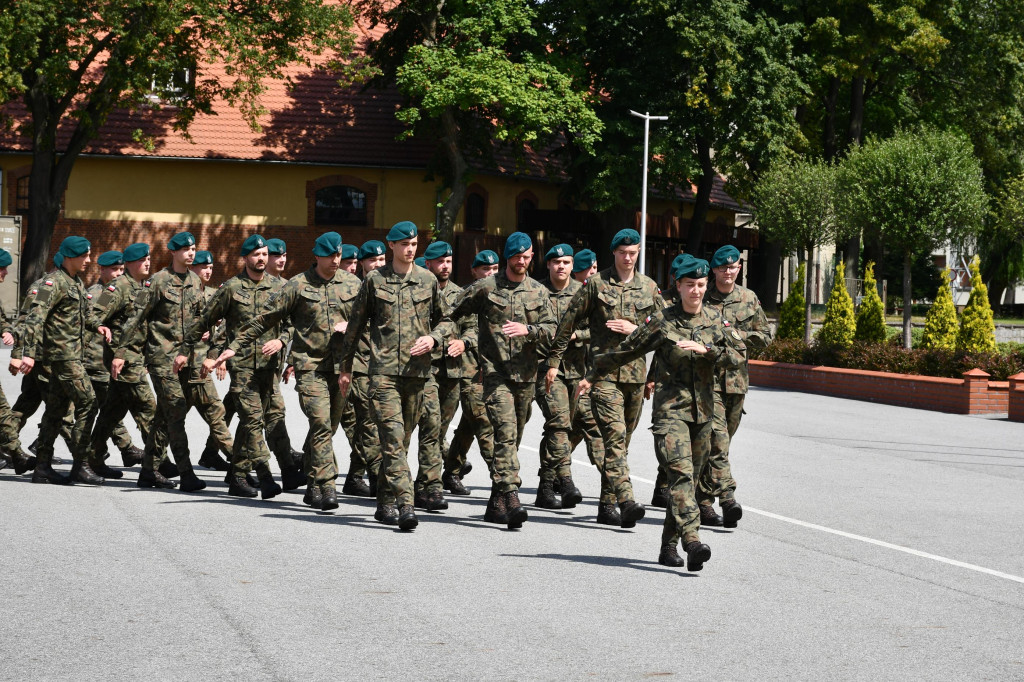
[172,89]
[523,210]
[340,205]
[21,196]
[476,211]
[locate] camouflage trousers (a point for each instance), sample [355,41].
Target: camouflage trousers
[616,408]
[559,409]
[33,390]
[119,434]
[428,476]
[349,424]
[275,429]
[322,403]
[365,440]
[395,403]
[584,428]
[715,478]
[9,440]
[449,390]
[508,407]
[251,392]
[682,449]
[175,395]
[69,384]
[123,397]
[474,423]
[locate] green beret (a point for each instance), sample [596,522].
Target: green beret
[203,258]
[349,251]
[403,230]
[485,257]
[58,259]
[276,247]
[675,263]
[371,249]
[136,252]
[517,242]
[421,261]
[625,238]
[110,258]
[73,247]
[725,256]
[437,250]
[327,244]
[558,251]
[685,265]
[5,258]
[182,240]
[584,260]
[252,243]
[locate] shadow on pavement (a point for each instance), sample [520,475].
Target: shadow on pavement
[619,562]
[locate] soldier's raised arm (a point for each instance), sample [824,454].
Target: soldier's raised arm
[579,309]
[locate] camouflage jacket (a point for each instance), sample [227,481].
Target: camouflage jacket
[397,310]
[59,321]
[603,298]
[115,306]
[237,301]
[741,309]
[574,360]
[17,328]
[687,390]
[311,306]
[497,300]
[166,306]
[95,347]
[465,366]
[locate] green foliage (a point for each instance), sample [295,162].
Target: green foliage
[839,325]
[795,204]
[977,328]
[925,277]
[871,315]
[1002,239]
[792,318]
[940,324]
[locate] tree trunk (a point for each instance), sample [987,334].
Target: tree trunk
[765,280]
[828,135]
[908,295]
[855,131]
[459,177]
[808,290]
[703,200]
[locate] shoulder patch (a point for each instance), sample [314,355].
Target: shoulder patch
[736,334]
[34,292]
[647,320]
[726,323]
[88,295]
[48,282]
[147,283]
[111,288]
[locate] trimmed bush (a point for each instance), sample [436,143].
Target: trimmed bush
[977,328]
[839,326]
[792,314]
[940,324]
[871,316]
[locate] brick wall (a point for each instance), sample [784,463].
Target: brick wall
[1016,398]
[974,394]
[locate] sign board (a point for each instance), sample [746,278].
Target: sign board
[10,239]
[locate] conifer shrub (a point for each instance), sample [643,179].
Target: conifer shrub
[839,325]
[871,316]
[792,319]
[940,323]
[977,328]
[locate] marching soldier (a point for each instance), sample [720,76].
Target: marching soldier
[10,444]
[354,483]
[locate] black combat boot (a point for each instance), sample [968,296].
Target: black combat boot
[696,554]
[407,517]
[466,468]
[631,512]
[608,515]
[436,501]
[168,470]
[516,512]
[153,479]
[81,472]
[708,516]
[546,496]
[313,497]
[496,512]
[660,498]
[44,473]
[190,483]
[100,468]
[329,496]
[453,484]
[355,485]
[292,478]
[239,487]
[20,461]
[131,456]
[386,514]
[670,556]
[211,459]
[268,487]
[571,495]
[732,512]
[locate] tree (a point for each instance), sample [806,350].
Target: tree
[476,73]
[792,322]
[1002,240]
[940,323]
[977,328]
[917,189]
[839,326]
[795,206]
[72,64]
[871,315]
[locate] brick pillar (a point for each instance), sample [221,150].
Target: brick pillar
[1016,398]
[975,390]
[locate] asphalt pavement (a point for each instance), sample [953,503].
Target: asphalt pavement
[878,542]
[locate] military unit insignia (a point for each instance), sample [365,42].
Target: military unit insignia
[560,251]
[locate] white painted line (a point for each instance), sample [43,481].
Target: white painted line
[851,536]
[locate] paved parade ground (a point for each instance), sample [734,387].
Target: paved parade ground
[877,543]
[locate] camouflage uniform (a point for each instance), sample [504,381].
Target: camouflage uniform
[55,333]
[684,404]
[311,306]
[9,441]
[742,311]
[509,364]
[99,374]
[366,454]
[397,309]
[559,405]
[130,392]
[617,397]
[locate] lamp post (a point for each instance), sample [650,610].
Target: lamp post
[643,197]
